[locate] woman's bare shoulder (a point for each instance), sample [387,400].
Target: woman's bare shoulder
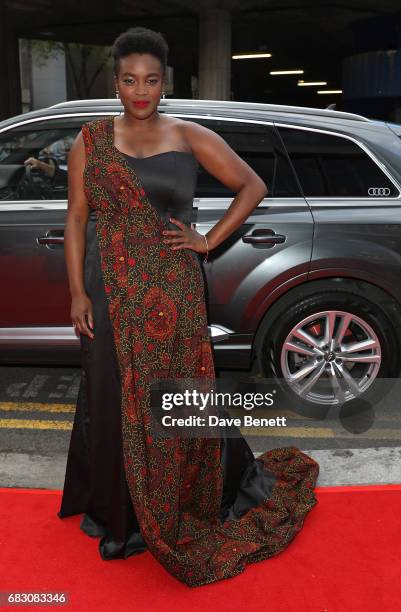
[176,129]
[191,132]
[187,126]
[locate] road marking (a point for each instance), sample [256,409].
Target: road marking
[32,388]
[282,432]
[68,388]
[289,432]
[36,406]
[290,414]
[311,432]
[34,424]
[70,408]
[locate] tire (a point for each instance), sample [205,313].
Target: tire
[371,321]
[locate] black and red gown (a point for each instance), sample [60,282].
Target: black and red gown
[204,507]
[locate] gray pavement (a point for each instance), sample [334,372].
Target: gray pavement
[356,466]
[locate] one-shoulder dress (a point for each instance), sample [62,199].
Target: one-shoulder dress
[256,506]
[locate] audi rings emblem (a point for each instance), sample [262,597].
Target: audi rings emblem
[379,191]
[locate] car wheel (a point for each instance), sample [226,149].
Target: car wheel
[330,348]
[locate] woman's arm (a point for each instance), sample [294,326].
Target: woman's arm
[220,160]
[75,238]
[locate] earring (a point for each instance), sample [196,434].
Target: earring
[117,94]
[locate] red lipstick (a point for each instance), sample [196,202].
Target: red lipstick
[141,103]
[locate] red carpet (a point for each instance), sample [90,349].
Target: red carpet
[346,559]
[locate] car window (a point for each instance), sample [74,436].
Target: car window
[332,166]
[45,142]
[259,146]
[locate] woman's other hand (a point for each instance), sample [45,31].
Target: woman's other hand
[81,307]
[185,238]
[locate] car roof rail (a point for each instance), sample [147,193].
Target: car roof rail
[223,104]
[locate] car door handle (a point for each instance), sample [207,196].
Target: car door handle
[52,237]
[263,237]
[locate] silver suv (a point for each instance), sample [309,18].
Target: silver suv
[309,285]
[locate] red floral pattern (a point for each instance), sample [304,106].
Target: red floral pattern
[157,308]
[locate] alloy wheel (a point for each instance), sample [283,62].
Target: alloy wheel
[330,357]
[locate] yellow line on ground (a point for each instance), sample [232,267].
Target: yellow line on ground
[295,416]
[288,432]
[34,424]
[278,432]
[312,432]
[234,412]
[36,406]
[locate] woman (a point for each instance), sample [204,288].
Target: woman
[203,507]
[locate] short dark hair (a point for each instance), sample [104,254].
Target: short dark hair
[140,40]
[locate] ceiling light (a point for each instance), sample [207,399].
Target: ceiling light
[329,91]
[251,55]
[307,83]
[274,72]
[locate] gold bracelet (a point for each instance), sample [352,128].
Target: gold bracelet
[207,250]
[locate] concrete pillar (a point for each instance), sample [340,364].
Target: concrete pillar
[10,99]
[181,73]
[215,54]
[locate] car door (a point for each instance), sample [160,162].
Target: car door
[271,248]
[35,297]
[355,202]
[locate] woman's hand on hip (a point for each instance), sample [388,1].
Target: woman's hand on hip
[81,308]
[186,237]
